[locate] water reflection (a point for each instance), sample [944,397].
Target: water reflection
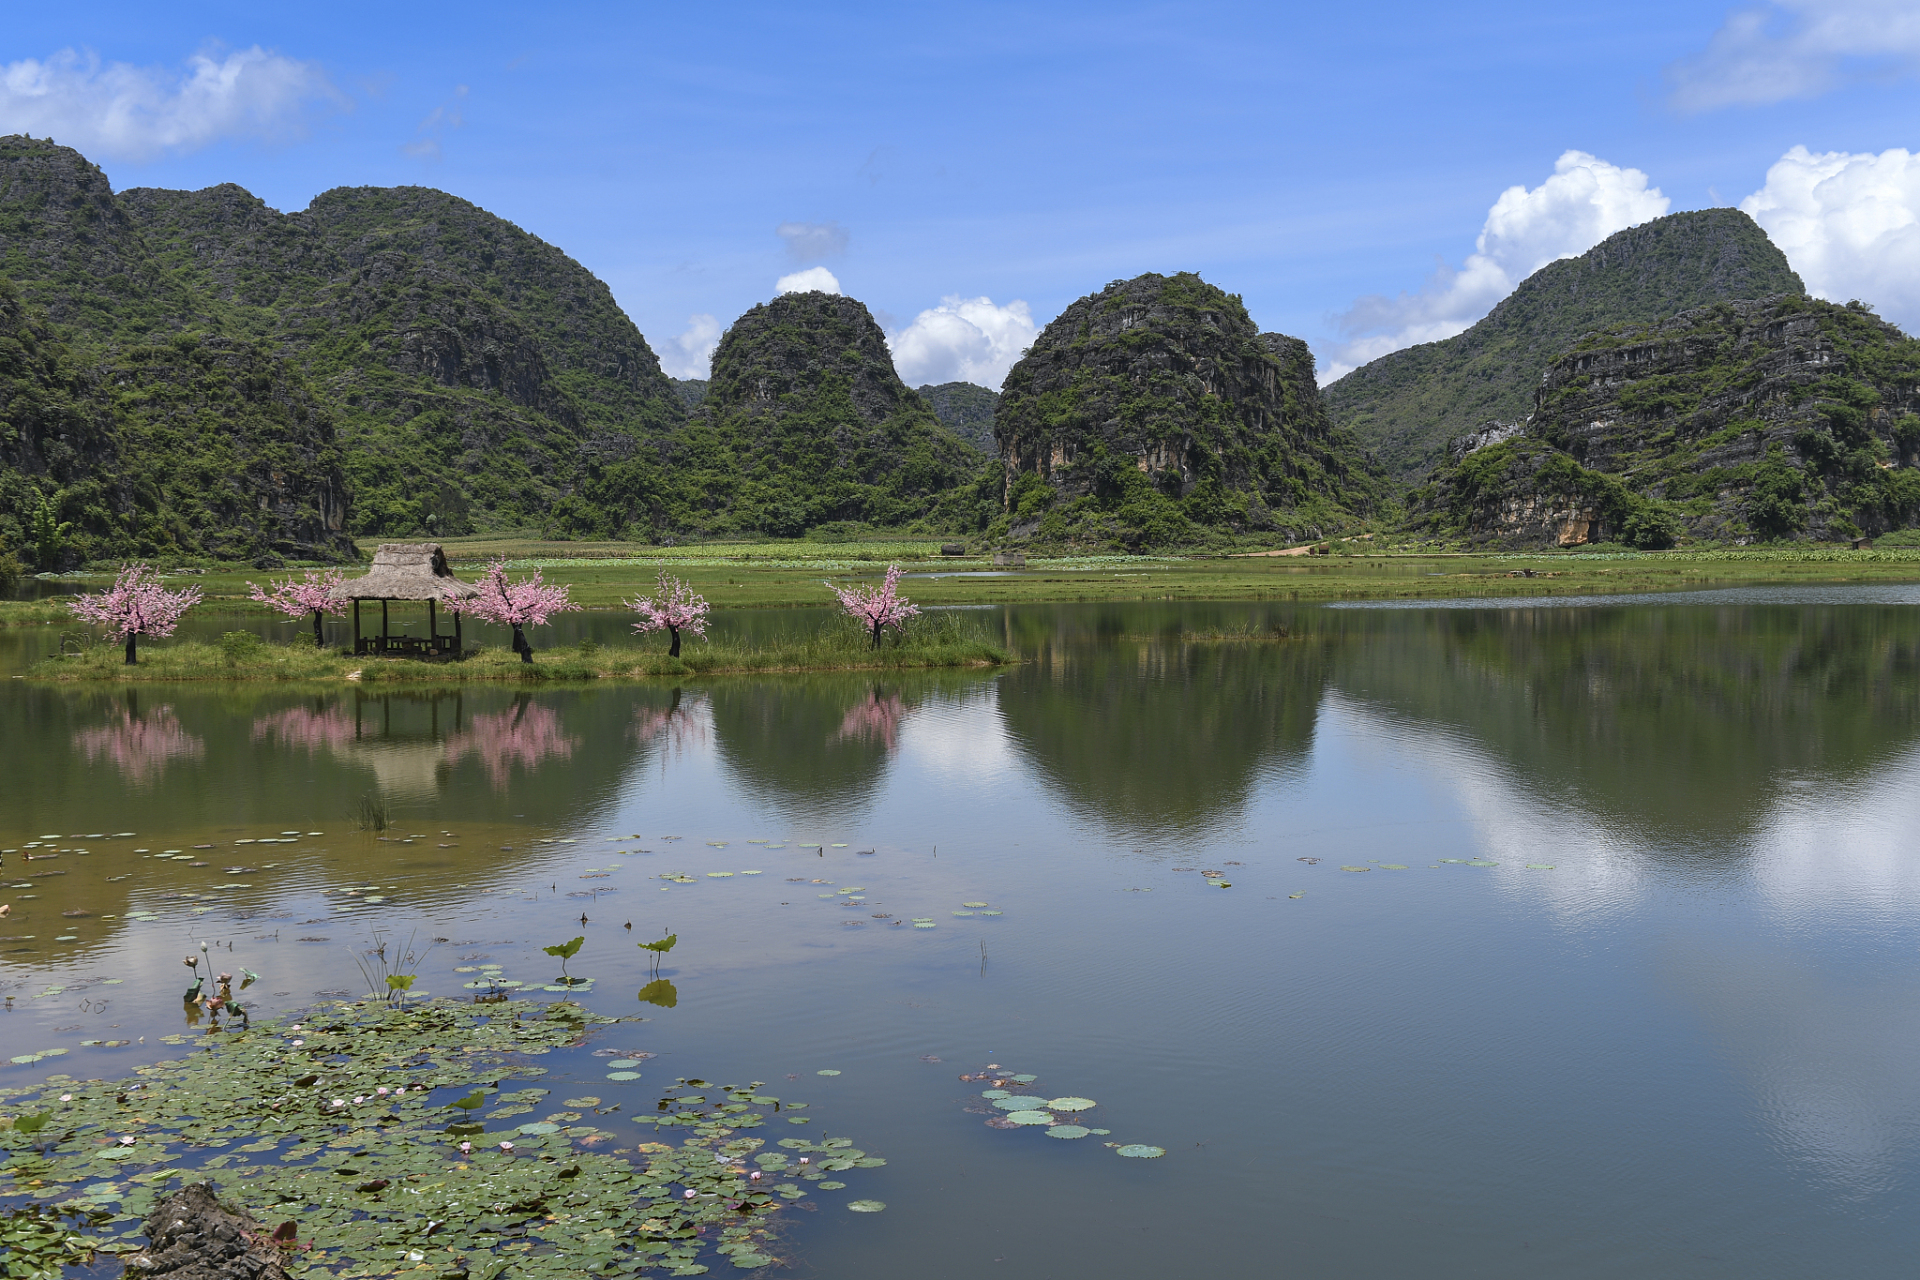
[309,728]
[874,719]
[685,723]
[140,746]
[524,736]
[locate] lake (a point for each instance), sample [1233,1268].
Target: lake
[1555,941]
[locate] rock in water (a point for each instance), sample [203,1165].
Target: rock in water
[192,1236]
[805,423]
[1779,418]
[1405,406]
[1154,410]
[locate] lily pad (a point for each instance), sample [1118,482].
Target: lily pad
[540,1127]
[623,1075]
[624,1063]
[1140,1151]
[924,924]
[1072,1104]
[867,1206]
[1017,1102]
[995,1093]
[1481,862]
[1030,1117]
[1356,868]
[1024,1079]
[973,904]
[1392,866]
[1540,866]
[1068,1131]
[828,1072]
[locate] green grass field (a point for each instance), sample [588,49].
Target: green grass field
[798,574]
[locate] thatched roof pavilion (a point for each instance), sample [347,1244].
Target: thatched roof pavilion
[408,571]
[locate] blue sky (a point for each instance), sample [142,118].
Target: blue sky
[944,164]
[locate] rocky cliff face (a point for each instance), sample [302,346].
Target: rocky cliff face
[805,422]
[1155,406]
[1405,406]
[476,375]
[964,409]
[1783,417]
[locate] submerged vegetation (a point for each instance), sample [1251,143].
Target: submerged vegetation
[377,1132]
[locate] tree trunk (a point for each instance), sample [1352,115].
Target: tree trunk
[319,637]
[520,645]
[876,635]
[674,650]
[132,637]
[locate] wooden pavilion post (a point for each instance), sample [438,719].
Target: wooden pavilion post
[383,626]
[433,627]
[356,624]
[459,646]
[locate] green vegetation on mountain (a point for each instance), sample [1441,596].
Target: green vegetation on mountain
[1775,419]
[1155,413]
[966,410]
[472,375]
[805,423]
[1406,406]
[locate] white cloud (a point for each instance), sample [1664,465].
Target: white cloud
[813,278]
[690,355]
[1797,49]
[812,241]
[963,340]
[134,113]
[1849,224]
[1585,201]
[426,142]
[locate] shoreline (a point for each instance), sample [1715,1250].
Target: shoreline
[198,662]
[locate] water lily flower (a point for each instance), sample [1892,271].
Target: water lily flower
[754,1176]
[66,1097]
[506,1146]
[296,1026]
[689,1193]
[382,1091]
[466,1148]
[298,1043]
[360,1099]
[803,1160]
[398,1093]
[339,1102]
[127,1140]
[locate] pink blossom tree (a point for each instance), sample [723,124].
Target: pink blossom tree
[674,610]
[526,603]
[136,605]
[311,594]
[878,607]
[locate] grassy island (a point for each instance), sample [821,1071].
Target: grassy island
[242,656]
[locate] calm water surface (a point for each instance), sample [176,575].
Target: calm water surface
[1674,1031]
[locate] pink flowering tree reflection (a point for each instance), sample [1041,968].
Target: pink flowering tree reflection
[876,718]
[682,724]
[526,734]
[306,727]
[674,610]
[135,605]
[140,747]
[311,594]
[878,607]
[526,603]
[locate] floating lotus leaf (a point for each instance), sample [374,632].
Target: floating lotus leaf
[1024,1079]
[1017,1102]
[1072,1104]
[992,913]
[995,1093]
[623,1063]
[973,904]
[1139,1151]
[588,1101]
[924,924]
[1068,1131]
[623,1075]
[1356,868]
[1481,862]
[1540,866]
[867,1206]
[829,1072]
[540,1127]
[1102,1132]
[1030,1117]
[963,913]
[1392,866]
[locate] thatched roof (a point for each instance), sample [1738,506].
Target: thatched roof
[407,571]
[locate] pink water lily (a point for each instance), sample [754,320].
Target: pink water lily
[128,1140]
[754,1176]
[466,1148]
[382,1091]
[506,1146]
[298,1043]
[689,1193]
[66,1097]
